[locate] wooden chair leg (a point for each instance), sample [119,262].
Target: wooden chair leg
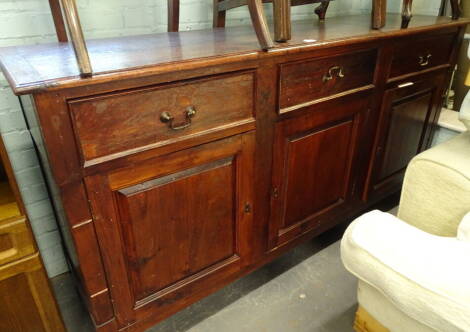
[282,20]
[259,24]
[58,21]
[456,10]
[218,15]
[442,9]
[379,13]
[173,15]
[76,35]
[406,13]
[321,10]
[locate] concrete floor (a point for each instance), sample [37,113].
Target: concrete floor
[305,290]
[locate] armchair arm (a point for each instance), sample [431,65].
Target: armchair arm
[424,275]
[436,188]
[464,229]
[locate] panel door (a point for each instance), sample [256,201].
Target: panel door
[175,225]
[315,169]
[408,113]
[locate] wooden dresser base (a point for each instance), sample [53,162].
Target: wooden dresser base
[266,150]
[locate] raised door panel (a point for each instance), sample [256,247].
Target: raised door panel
[182,222]
[178,225]
[408,119]
[316,175]
[408,113]
[314,170]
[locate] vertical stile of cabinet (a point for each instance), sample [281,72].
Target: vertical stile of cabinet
[26,300]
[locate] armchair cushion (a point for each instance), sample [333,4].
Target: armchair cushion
[424,275]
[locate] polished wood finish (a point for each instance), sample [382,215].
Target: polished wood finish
[406,13]
[8,206]
[184,169]
[315,158]
[455,6]
[307,82]
[26,299]
[15,240]
[282,20]
[58,18]
[78,40]
[28,68]
[322,8]
[422,54]
[456,9]
[195,210]
[173,15]
[408,4]
[281,9]
[408,112]
[379,13]
[260,24]
[133,119]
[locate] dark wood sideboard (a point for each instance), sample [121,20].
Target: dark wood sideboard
[190,159]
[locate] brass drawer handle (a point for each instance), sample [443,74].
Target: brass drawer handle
[424,61]
[166,117]
[331,72]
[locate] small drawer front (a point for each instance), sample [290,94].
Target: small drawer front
[137,120]
[15,240]
[307,81]
[422,54]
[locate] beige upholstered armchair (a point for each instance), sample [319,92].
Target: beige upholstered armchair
[414,270]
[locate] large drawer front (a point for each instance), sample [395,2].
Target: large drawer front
[310,80]
[422,54]
[131,121]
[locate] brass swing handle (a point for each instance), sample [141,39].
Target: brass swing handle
[166,117]
[331,72]
[424,60]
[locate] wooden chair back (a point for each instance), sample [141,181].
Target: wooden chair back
[282,22]
[281,8]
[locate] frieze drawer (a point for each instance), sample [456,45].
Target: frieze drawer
[308,81]
[128,122]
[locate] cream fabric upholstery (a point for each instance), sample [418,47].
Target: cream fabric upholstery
[414,273]
[378,305]
[425,275]
[436,189]
[464,229]
[464,115]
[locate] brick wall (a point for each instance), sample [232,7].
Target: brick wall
[29,22]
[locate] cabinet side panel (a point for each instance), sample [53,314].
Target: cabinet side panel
[72,212]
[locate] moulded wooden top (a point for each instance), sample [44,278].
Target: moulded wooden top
[50,66]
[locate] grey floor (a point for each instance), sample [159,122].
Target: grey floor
[305,290]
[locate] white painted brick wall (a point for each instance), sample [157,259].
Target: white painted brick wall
[30,21]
